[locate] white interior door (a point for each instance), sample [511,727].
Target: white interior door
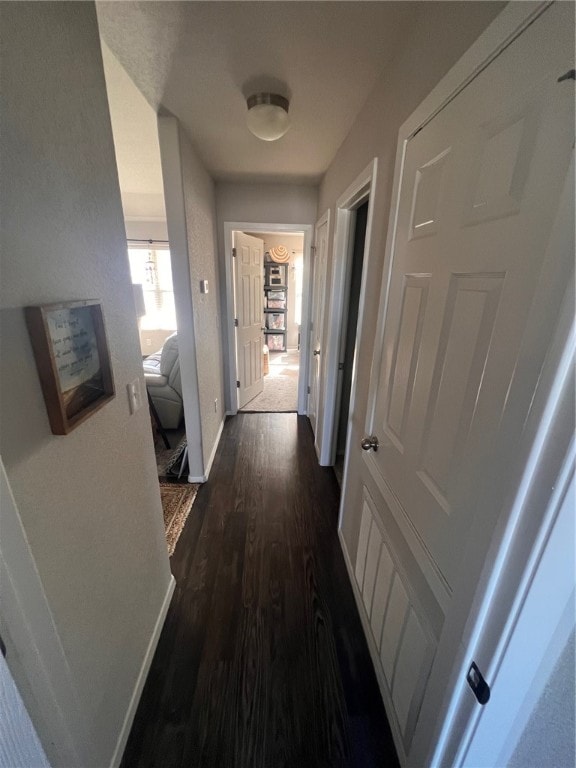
[248,297]
[477,275]
[317,323]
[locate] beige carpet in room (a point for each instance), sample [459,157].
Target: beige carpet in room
[177,500]
[280,393]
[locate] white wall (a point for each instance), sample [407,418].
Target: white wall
[140,228]
[444,32]
[262,204]
[199,197]
[135,133]
[269,203]
[89,501]
[191,213]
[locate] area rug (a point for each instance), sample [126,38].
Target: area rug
[280,395]
[177,500]
[166,458]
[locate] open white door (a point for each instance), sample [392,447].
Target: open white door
[317,322]
[479,260]
[248,297]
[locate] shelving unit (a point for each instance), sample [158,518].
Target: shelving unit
[275,306]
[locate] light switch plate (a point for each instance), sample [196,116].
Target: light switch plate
[134,395]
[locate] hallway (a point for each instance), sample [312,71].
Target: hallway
[262,661]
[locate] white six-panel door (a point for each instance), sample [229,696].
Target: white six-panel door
[248,297]
[460,356]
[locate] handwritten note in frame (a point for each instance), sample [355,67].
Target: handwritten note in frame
[73,362]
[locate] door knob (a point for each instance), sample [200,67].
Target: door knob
[316,352]
[369,443]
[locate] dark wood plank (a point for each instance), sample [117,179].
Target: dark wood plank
[262,662]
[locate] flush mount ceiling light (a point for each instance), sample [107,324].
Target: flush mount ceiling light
[268,116]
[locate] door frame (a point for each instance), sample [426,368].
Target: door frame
[483,625]
[246,226]
[360,190]
[324,219]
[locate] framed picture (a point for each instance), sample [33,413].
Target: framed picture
[72,358]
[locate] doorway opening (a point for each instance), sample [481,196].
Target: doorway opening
[267,299]
[348,348]
[151,258]
[161,291]
[151,273]
[281,295]
[351,264]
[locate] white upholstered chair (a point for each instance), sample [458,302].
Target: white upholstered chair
[162,375]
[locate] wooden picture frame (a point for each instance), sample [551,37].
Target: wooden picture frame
[73,361]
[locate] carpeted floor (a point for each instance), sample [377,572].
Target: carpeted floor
[280,385]
[177,500]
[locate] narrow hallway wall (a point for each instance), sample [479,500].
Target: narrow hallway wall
[191,217]
[89,501]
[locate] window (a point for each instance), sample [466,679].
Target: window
[151,268]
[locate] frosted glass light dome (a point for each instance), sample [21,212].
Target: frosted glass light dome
[268,116]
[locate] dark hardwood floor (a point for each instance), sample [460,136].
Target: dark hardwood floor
[262,662]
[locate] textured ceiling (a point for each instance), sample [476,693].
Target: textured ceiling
[199,61]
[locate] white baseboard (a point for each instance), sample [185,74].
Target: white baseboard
[374,655]
[204,478]
[141,679]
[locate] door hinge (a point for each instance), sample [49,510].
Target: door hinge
[234,252]
[479,686]
[236,322]
[238,385]
[308,390]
